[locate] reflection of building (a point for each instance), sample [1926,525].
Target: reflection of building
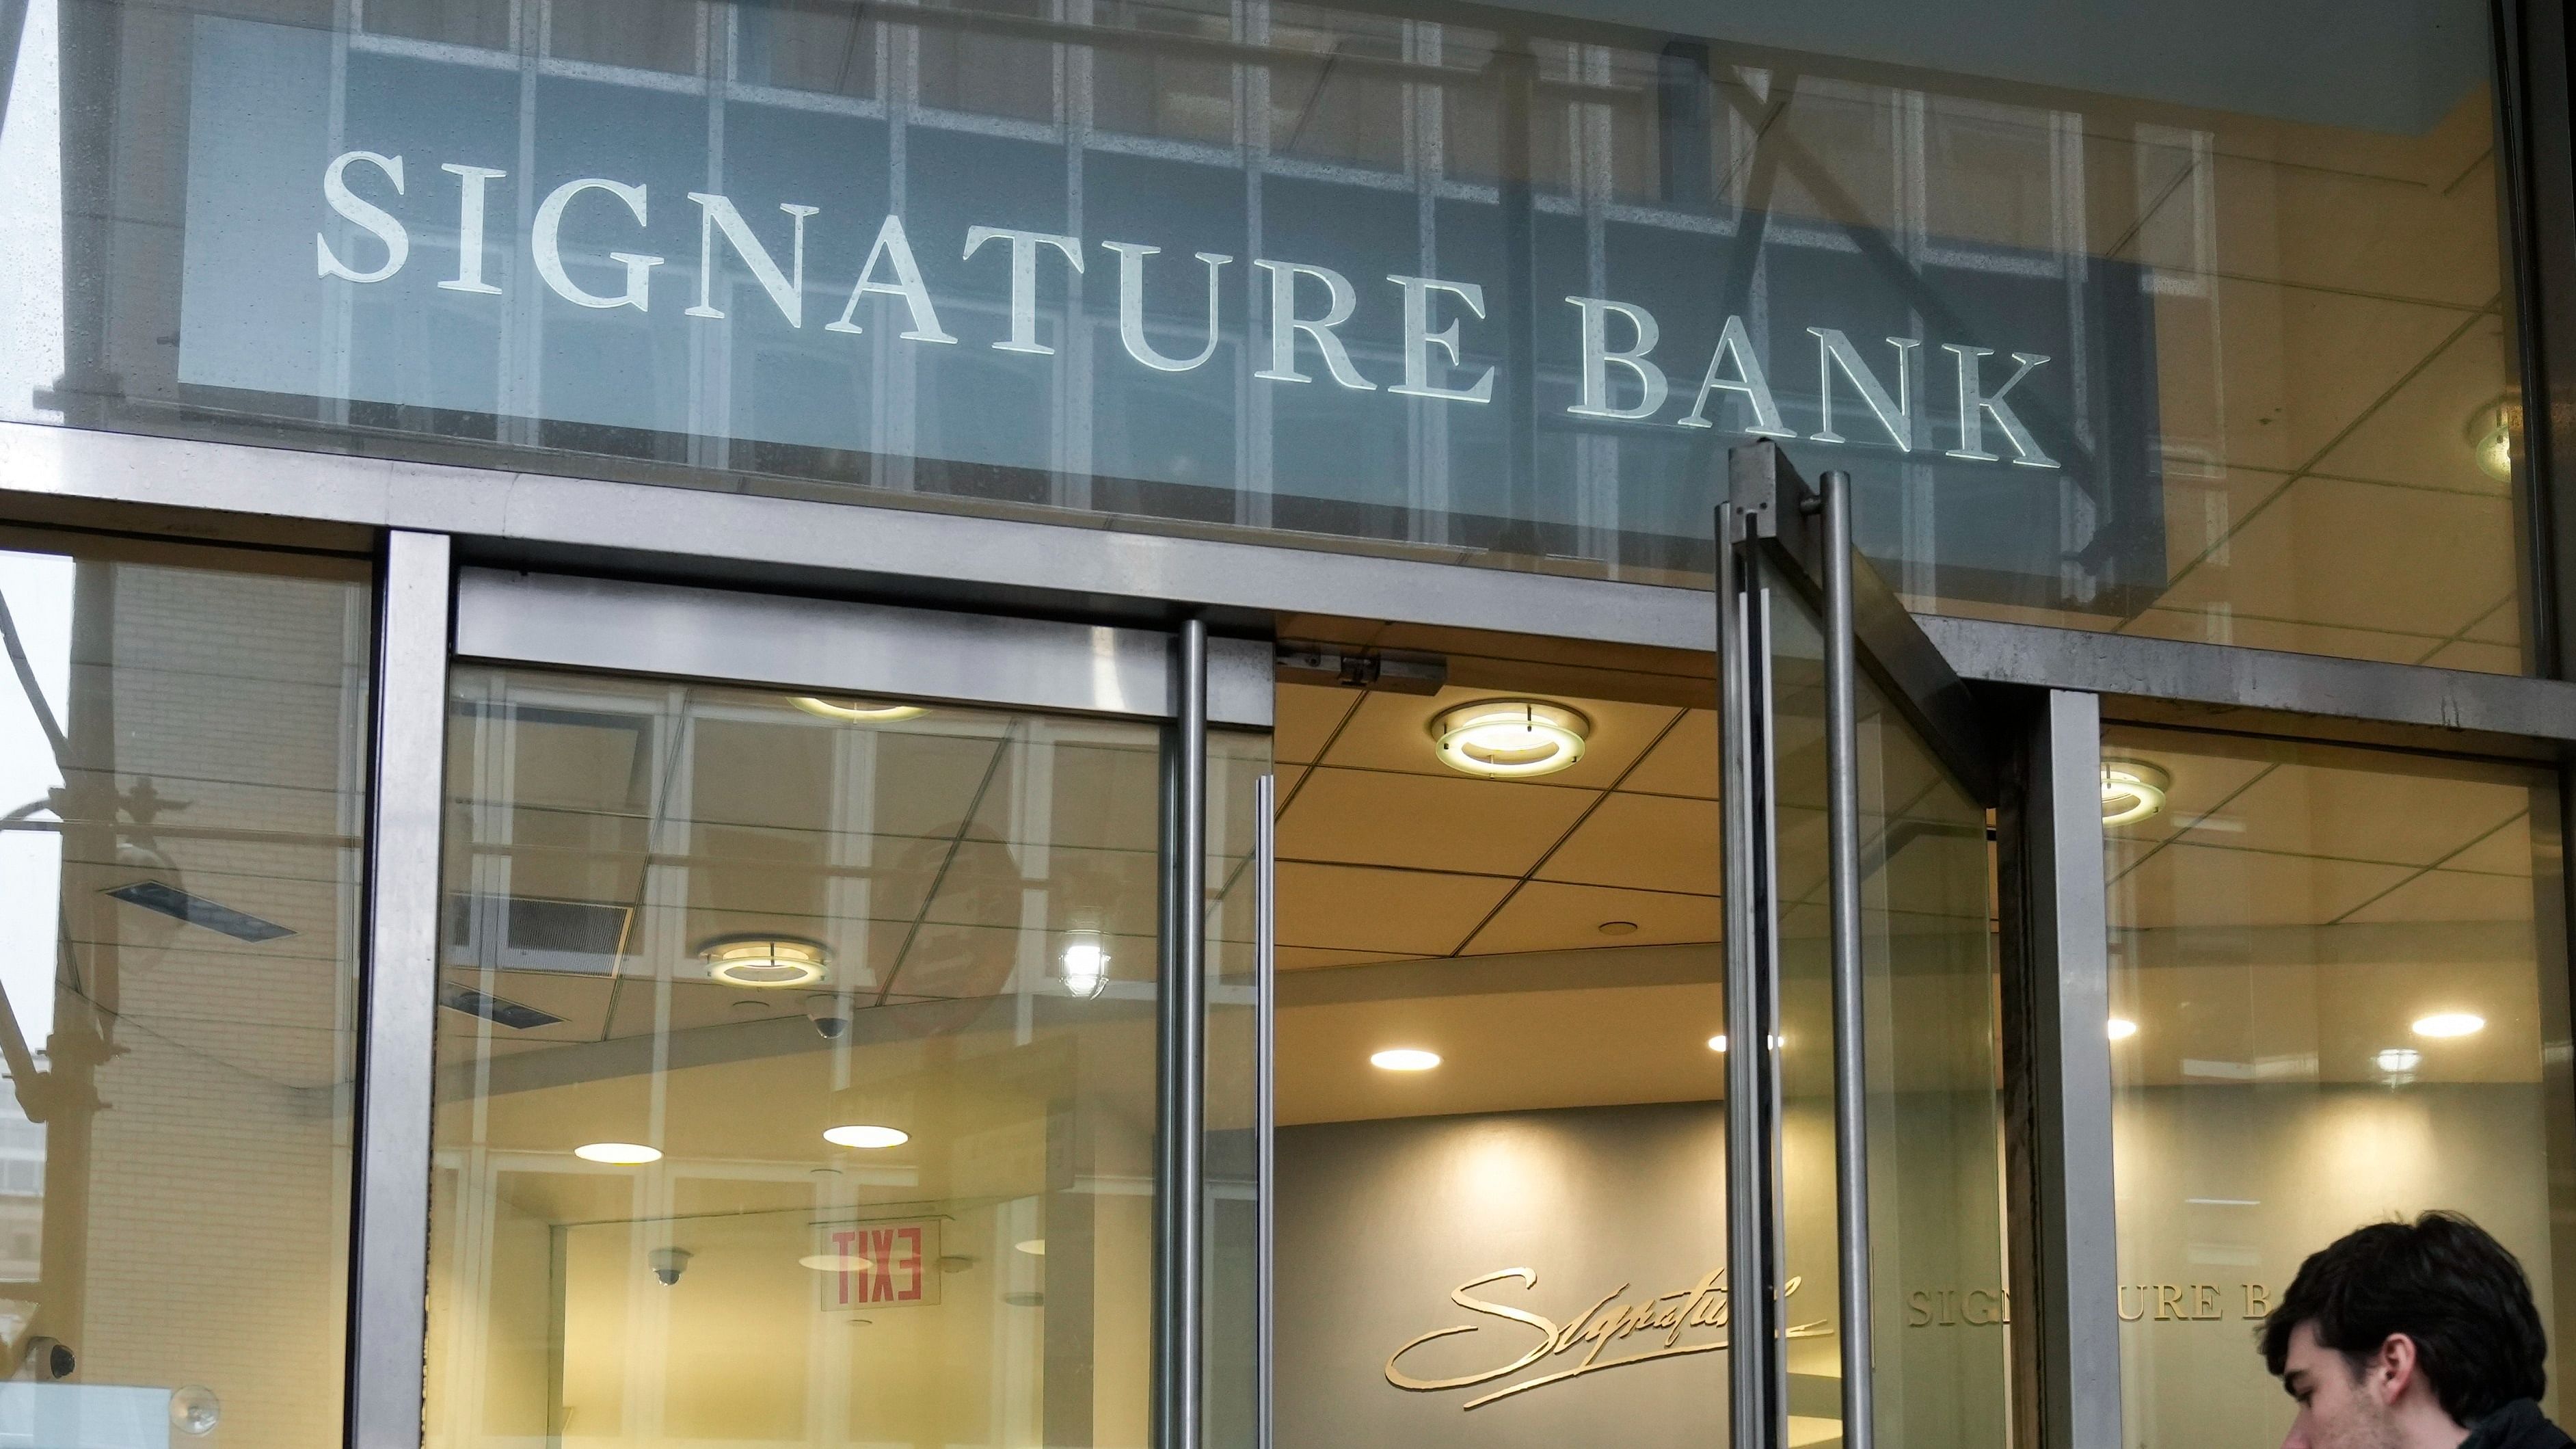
[603,828]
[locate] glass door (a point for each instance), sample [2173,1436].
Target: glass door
[1865,1176]
[816,1031]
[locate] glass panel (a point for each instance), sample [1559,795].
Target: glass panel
[2179,323]
[2291,925]
[1931,1006]
[1521,1246]
[1236,761]
[797,1070]
[183,771]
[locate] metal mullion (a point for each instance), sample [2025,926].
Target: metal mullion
[1265,1087]
[2058,1136]
[1851,1078]
[1756,1401]
[1180,1149]
[396,1079]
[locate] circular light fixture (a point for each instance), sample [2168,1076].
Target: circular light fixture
[1717,1043]
[1084,966]
[764,960]
[857,711]
[622,1154]
[1034,1247]
[2490,433]
[2121,1028]
[836,1263]
[863,1134]
[1404,1059]
[2450,1023]
[1509,738]
[2131,791]
[2398,1059]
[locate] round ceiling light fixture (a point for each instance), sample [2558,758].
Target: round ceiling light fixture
[1509,739]
[856,711]
[866,1134]
[618,1154]
[1404,1059]
[1083,966]
[2490,432]
[2397,1060]
[2132,791]
[1034,1247]
[2450,1023]
[836,1263]
[765,960]
[2121,1028]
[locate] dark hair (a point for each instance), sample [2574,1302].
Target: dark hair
[2441,1281]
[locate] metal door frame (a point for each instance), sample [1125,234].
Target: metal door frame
[2034,757]
[434,615]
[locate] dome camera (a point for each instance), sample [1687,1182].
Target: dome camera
[669,1264]
[829,1013]
[45,1360]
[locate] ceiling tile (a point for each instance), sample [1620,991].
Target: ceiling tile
[2188,885]
[2319,810]
[2325,552]
[1393,732]
[2477,656]
[2421,434]
[2506,852]
[1393,912]
[1550,916]
[1304,716]
[1318,958]
[1652,842]
[2215,622]
[1684,762]
[2453,895]
[1427,822]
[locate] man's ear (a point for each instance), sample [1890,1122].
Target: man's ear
[2393,1368]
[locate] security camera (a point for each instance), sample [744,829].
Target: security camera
[45,1360]
[669,1264]
[829,1013]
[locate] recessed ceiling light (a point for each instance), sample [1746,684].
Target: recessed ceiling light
[1034,1247]
[2398,1059]
[857,711]
[2131,791]
[1509,738]
[2121,1028]
[2450,1023]
[1717,1043]
[765,960]
[1404,1059]
[835,1263]
[623,1154]
[862,1134]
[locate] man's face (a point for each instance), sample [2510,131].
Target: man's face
[2338,1408]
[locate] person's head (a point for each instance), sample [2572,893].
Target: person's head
[2404,1333]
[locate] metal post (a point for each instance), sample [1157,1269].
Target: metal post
[1265,1087]
[1755,1371]
[1851,1080]
[388,1299]
[1180,1197]
[2058,1085]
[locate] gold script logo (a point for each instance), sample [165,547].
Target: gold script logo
[1671,1316]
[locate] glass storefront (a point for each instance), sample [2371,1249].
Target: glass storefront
[2336,997]
[860,1001]
[797,1070]
[2172,324]
[184,745]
